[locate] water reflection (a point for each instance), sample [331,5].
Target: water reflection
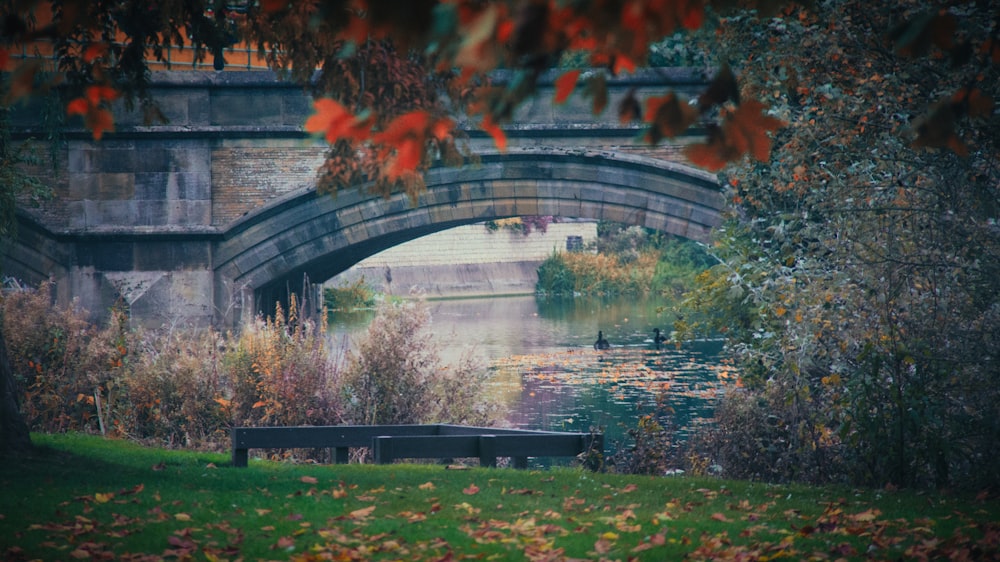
[547,374]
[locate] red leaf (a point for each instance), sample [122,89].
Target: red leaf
[79,106]
[565,85]
[309,479]
[273,5]
[670,116]
[622,64]
[494,130]
[98,121]
[694,17]
[336,122]
[710,156]
[720,517]
[471,490]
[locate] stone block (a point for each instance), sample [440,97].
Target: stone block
[116,213]
[106,255]
[116,186]
[173,255]
[251,107]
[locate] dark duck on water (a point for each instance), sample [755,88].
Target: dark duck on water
[658,337]
[601,343]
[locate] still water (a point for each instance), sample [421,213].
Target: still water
[546,372]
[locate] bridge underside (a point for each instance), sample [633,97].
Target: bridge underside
[269,254]
[223,276]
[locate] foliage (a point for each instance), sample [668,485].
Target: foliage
[386,79]
[280,372]
[349,296]
[395,376]
[859,288]
[652,449]
[525,225]
[629,260]
[84,497]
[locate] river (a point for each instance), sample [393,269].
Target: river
[547,373]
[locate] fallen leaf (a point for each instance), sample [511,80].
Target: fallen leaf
[182,517]
[471,490]
[309,479]
[363,513]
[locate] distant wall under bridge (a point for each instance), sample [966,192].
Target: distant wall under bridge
[215,216]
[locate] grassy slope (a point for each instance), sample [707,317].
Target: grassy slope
[84,497]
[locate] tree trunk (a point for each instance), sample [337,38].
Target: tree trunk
[14,435]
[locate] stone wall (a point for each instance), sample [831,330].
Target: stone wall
[467,260]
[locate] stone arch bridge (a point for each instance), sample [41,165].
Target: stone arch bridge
[215,215]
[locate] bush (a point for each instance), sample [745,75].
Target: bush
[66,368]
[349,296]
[397,377]
[189,387]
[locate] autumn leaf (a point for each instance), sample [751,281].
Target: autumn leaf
[494,130]
[629,108]
[596,88]
[271,6]
[309,479]
[744,131]
[669,116]
[723,88]
[426,486]
[361,514]
[565,85]
[471,490]
[720,517]
[182,517]
[335,122]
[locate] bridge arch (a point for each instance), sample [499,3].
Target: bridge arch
[265,255]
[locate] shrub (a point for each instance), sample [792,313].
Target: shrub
[349,296]
[281,373]
[396,376]
[66,368]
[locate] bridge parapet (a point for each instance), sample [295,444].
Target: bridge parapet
[216,210]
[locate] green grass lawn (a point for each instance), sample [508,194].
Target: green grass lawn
[83,497]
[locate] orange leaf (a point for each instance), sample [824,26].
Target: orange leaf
[720,517]
[362,513]
[747,127]
[336,122]
[708,156]
[98,121]
[309,479]
[670,116]
[94,51]
[622,64]
[694,17]
[442,128]
[407,158]
[565,85]
[79,106]
[471,490]
[494,130]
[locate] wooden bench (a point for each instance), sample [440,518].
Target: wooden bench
[392,442]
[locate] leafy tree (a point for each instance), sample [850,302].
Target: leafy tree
[860,283]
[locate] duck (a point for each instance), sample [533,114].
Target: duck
[601,343]
[658,337]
